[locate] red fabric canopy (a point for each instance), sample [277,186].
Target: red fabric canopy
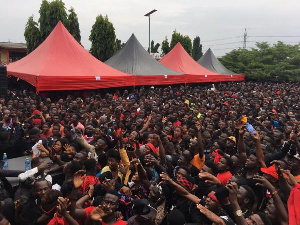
[179,60]
[61,63]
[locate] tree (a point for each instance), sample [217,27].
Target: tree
[165,46]
[119,44]
[103,39]
[44,20]
[280,62]
[32,35]
[50,14]
[154,48]
[185,41]
[197,48]
[73,25]
[57,12]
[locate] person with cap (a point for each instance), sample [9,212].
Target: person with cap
[144,214]
[231,146]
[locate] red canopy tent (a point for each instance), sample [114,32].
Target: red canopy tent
[179,60]
[61,63]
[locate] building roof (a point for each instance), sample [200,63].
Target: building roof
[11,45]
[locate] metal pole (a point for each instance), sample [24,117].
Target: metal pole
[149,37]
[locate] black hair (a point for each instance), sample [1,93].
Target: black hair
[4,135]
[90,165]
[35,161]
[41,180]
[250,194]
[66,188]
[34,131]
[239,180]
[107,175]
[184,168]
[264,218]
[160,125]
[229,161]
[222,145]
[74,167]
[68,127]
[113,192]
[212,166]
[51,197]
[112,153]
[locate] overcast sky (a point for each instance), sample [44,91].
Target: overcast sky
[211,20]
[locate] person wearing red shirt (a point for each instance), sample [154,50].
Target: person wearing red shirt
[224,166]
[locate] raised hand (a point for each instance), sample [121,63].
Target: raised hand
[91,191]
[233,191]
[45,165]
[63,205]
[263,182]
[98,213]
[78,178]
[165,178]
[242,130]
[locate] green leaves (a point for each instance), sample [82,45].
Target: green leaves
[165,46]
[185,41]
[50,14]
[73,25]
[103,39]
[32,35]
[197,48]
[280,62]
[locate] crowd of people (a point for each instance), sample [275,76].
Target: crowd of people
[210,154]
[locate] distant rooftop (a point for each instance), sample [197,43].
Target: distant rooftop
[11,45]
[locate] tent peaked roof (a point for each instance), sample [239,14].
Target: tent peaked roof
[61,63]
[179,60]
[210,61]
[134,59]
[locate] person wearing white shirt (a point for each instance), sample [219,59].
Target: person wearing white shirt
[38,166]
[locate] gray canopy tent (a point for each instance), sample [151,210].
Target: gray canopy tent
[210,61]
[134,59]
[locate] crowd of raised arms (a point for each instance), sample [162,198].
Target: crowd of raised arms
[212,154]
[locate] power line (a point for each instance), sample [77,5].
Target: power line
[275,36]
[222,39]
[228,43]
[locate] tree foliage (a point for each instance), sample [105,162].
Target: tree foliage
[197,48]
[32,35]
[154,48]
[73,25]
[50,14]
[165,46]
[280,62]
[103,39]
[119,44]
[43,20]
[185,41]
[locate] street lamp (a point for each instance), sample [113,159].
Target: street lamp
[148,14]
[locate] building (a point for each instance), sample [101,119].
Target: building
[10,52]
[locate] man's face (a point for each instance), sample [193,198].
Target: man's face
[110,203]
[211,204]
[79,158]
[40,188]
[34,138]
[55,119]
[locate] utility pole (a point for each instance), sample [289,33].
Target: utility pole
[245,39]
[149,14]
